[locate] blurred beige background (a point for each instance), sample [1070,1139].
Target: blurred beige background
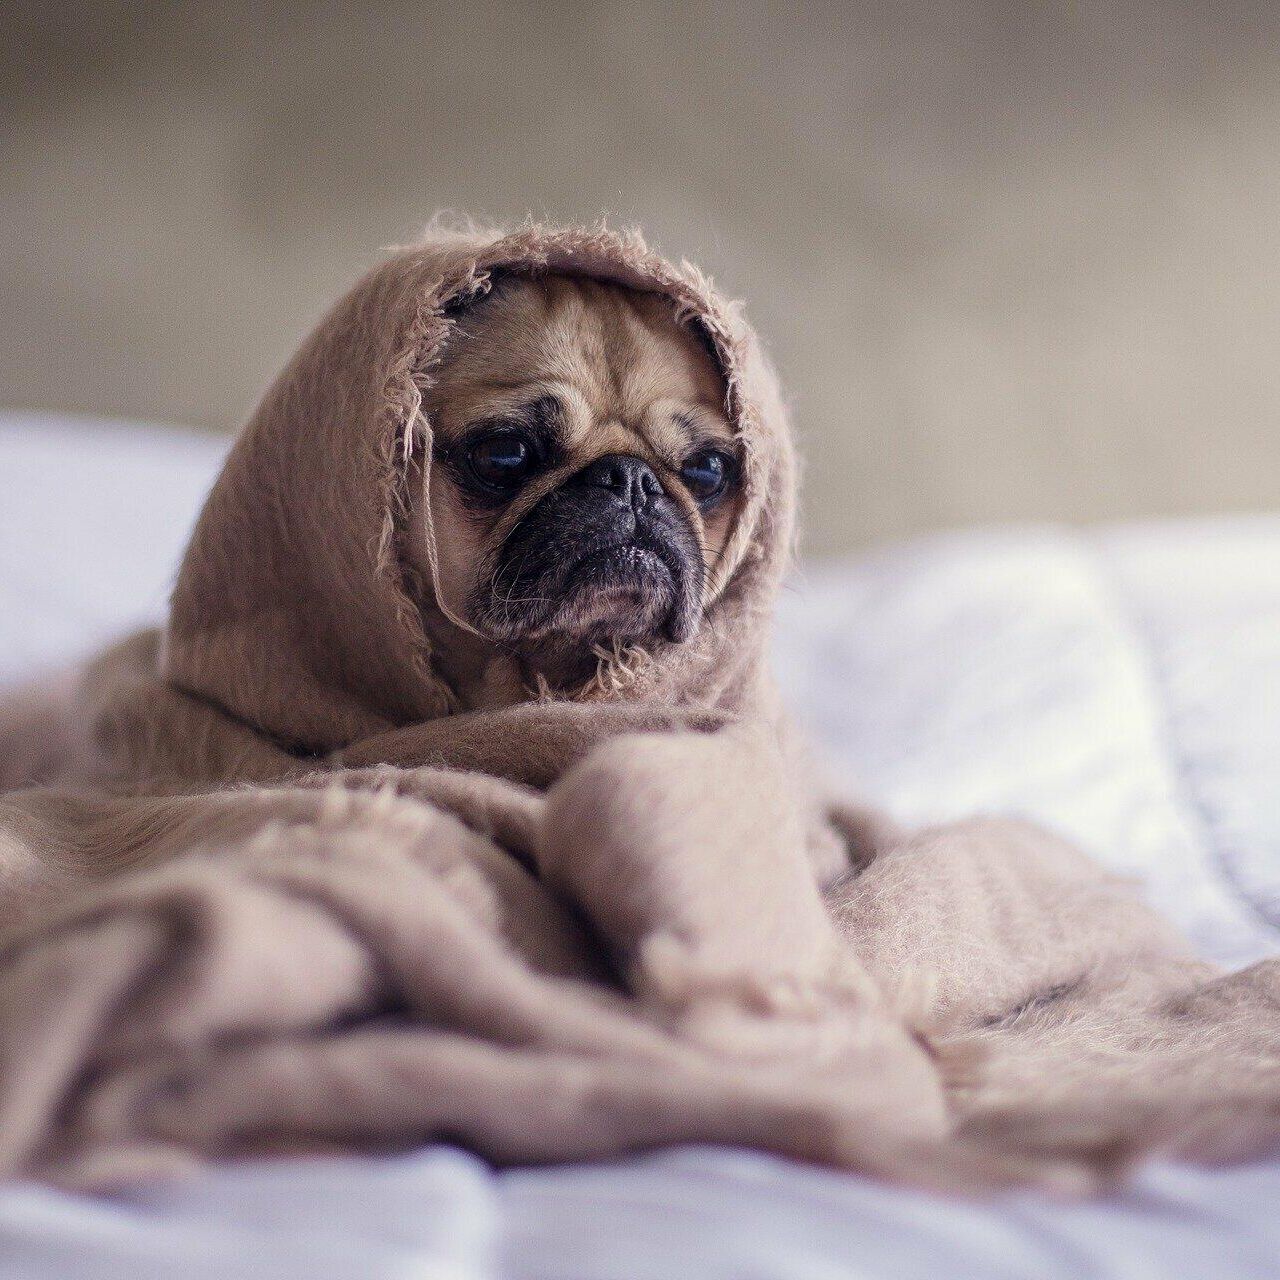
[1014,260]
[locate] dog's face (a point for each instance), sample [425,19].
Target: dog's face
[585,475]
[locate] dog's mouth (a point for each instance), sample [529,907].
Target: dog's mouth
[623,591]
[565,585]
[623,566]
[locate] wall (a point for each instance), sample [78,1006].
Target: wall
[1015,260]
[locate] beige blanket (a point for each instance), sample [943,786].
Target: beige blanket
[278,892]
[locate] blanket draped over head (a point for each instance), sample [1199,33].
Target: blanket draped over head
[270,888]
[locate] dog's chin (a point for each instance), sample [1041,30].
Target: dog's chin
[626,593]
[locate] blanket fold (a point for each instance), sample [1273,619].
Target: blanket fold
[279,891]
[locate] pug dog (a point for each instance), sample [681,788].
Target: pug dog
[584,476]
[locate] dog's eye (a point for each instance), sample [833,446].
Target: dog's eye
[501,460]
[707,474]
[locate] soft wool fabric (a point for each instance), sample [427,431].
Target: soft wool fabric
[287,896]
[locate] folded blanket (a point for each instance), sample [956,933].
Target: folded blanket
[278,892]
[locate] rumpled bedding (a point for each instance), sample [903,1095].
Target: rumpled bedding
[272,884]
[1133,707]
[1122,685]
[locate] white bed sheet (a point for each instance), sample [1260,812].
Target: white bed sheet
[1123,687]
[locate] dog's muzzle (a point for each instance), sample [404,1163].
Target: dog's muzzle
[607,555]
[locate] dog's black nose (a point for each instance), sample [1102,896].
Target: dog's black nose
[630,478]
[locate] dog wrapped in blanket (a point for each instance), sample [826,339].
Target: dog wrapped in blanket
[454,802]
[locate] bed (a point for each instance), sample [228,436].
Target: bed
[1121,685]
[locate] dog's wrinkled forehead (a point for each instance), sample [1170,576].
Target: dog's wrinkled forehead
[607,369]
